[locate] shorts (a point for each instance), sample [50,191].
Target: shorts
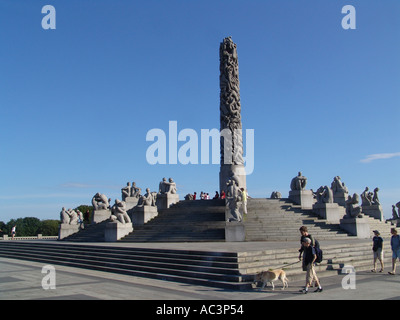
[378,254]
[396,253]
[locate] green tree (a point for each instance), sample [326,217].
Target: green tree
[49,227]
[87,212]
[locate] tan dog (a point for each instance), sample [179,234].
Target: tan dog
[271,276]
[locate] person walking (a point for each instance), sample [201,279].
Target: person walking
[309,257]
[395,244]
[13,231]
[377,248]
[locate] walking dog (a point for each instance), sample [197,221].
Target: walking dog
[271,276]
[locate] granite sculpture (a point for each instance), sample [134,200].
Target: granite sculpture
[231,143]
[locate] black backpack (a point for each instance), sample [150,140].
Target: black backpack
[319,254]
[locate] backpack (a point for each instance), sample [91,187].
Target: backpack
[319,254]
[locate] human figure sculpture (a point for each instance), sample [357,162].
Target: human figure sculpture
[118,211]
[171,186]
[298,183]
[70,216]
[394,213]
[163,186]
[276,195]
[135,191]
[100,202]
[64,216]
[353,210]
[338,186]
[73,216]
[375,198]
[126,191]
[232,198]
[148,199]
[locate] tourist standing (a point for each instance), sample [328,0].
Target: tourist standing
[309,257]
[395,244]
[194,196]
[377,248]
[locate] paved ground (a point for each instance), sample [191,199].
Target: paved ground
[22,280]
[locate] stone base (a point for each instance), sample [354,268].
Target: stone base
[394,222]
[340,198]
[67,229]
[374,211]
[131,202]
[101,215]
[116,230]
[164,201]
[304,198]
[357,227]
[142,215]
[331,212]
[234,232]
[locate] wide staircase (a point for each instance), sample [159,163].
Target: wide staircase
[227,270]
[186,221]
[280,220]
[91,233]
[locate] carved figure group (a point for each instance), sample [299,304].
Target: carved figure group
[71,216]
[233,196]
[370,198]
[230,107]
[166,187]
[338,186]
[324,195]
[276,195]
[100,202]
[130,191]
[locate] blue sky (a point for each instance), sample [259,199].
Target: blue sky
[77,102]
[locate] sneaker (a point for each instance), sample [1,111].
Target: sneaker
[318,290]
[381,270]
[373,270]
[392,273]
[304,291]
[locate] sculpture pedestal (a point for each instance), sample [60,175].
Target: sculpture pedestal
[304,198]
[234,231]
[164,201]
[374,211]
[131,202]
[356,227]
[101,215]
[67,229]
[116,230]
[142,215]
[394,222]
[331,212]
[340,198]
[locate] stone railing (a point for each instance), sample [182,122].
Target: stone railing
[38,237]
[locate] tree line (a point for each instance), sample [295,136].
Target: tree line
[31,226]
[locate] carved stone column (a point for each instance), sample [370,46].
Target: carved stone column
[232,163]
